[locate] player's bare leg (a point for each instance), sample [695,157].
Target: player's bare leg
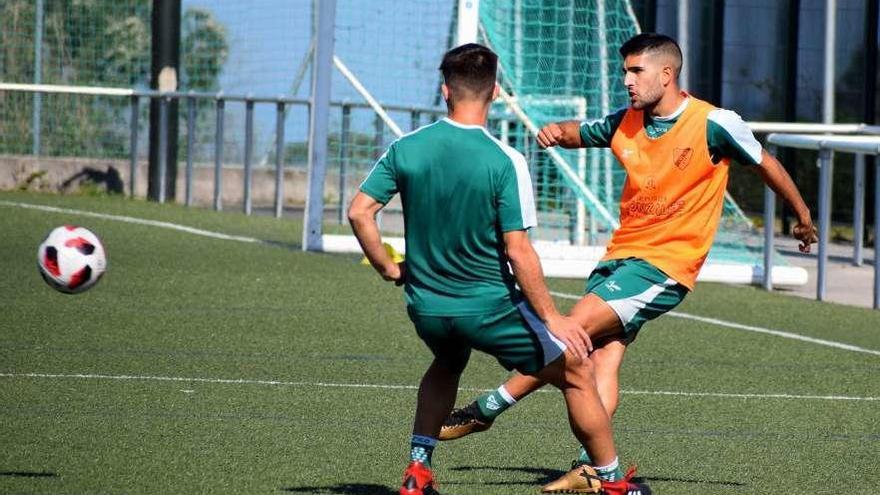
[596,317]
[588,420]
[436,397]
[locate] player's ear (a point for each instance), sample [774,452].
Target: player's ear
[496,91]
[668,75]
[444,90]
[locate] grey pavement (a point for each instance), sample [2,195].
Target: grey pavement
[845,282]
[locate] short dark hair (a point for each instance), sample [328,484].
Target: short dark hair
[469,72]
[653,42]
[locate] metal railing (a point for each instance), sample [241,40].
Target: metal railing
[826,145]
[220,99]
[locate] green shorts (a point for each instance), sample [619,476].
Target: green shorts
[515,336]
[636,290]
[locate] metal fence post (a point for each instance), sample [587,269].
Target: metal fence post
[133,145]
[322,67]
[877,233]
[163,146]
[378,137]
[218,156]
[248,151]
[769,225]
[415,118]
[279,159]
[190,144]
[769,221]
[36,119]
[344,145]
[825,174]
[859,210]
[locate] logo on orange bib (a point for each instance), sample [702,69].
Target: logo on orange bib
[682,157]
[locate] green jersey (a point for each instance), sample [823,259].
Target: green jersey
[727,135]
[461,189]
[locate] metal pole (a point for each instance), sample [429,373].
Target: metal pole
[604,100]
[468,21]
[769,221]
[830,46]
[218,157]
[343,160]
[415,118]
[132,147]
[876,234]
[279,160]
[248,151]
[163,146]
[825,172]
[38,78]
[683,43]
[190,144]
[859,210]
[769,225]
[378,137]
[322,69]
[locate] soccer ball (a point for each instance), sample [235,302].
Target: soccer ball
[71,259]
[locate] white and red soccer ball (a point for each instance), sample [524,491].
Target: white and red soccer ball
[71,259]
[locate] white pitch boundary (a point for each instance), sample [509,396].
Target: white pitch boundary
[139,221]
[217,235]
[240,381]
[749,328]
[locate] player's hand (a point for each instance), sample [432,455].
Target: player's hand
[549,135]
[806,233]
[395,272]
[572,334]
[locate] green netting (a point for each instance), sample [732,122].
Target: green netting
[559,61]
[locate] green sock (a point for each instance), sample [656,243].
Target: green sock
[422,448]
[584,457]
[611,472]
[493,403]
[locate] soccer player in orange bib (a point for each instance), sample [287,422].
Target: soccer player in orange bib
[676,150]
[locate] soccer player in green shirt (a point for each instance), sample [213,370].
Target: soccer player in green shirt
[467,207]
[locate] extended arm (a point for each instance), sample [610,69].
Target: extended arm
[566,134]
[775,176]
[362,217]
[530,277]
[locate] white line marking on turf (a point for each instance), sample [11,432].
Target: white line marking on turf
[218,235]
[139,221]
[413,387]
[739,326]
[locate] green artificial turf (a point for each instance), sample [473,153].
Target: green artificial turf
[203,365]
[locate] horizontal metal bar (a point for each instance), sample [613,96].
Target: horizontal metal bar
[762,127]
[868,145]
[103,91]
[808,128]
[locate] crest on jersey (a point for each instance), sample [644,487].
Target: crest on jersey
[681,157]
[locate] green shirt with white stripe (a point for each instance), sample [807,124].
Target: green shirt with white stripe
[461,189]
[727,135]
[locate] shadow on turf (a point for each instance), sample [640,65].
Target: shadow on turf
[545,476]
[28,474]
[353,488]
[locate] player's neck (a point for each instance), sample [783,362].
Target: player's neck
[669,103]
[469,114]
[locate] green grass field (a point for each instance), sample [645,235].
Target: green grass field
[202,365]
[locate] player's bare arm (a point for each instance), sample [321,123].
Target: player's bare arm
[362,217]
[566,134]
[774,175]
[530,277]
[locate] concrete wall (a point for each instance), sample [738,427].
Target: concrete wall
[62,174]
